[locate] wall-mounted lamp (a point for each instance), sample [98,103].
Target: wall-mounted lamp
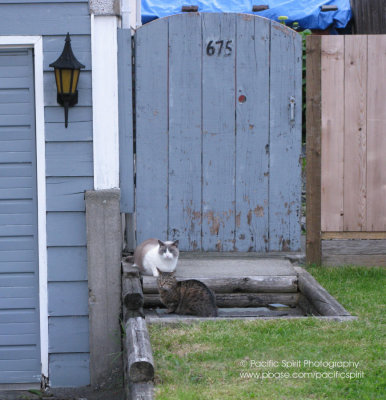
[67,69]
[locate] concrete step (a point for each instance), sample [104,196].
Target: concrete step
[225,267]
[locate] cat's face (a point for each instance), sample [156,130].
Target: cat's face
[166,280]
[168,250]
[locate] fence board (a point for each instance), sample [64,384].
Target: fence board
[218,119]
[376,137]
[369,16]
[185,130]
[355,93]
[252,135]
[355,247]
[332,89]
[151,72]
[313,129]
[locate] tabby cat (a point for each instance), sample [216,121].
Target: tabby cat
[189,297]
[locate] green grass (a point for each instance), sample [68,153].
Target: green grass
[204,361]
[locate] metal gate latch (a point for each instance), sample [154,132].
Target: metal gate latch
[292,108]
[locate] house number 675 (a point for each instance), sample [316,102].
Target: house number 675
[217,48]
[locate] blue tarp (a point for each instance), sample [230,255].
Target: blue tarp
[306,12]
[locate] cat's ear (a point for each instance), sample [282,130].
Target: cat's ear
[159,271]
[175,243]
[161,243]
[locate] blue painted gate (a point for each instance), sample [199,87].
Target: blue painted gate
[19,287]
[218,132]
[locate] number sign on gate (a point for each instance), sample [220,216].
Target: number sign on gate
[211,48]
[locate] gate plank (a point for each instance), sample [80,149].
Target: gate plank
[252,133]
[332,88]
[355,88]
[218,118]
[151,73]
[285,179]
[185,130]
[376,138]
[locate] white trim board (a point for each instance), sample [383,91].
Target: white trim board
[104,50]
[131,14]
[36,42]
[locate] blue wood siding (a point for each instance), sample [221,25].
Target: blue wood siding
[69,170]
[69,367]
[218,156]
[19,270]
[69,334]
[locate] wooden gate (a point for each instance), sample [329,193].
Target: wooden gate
[218,132]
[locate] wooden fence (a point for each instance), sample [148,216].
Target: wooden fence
[346,147]
[369,16]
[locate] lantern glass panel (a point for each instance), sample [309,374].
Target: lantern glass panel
[57,78]
[66,80]
[75,80]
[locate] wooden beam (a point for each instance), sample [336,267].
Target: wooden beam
[258,284]
[364,260]
[141,391]
[323,302]
[132,297]
[138,353]
[313,154]
[238,299]
[355,247]
[172,320]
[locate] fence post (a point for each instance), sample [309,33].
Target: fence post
[104,244]
[313,152]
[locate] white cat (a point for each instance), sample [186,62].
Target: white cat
[153,253]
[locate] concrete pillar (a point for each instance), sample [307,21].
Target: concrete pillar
[104,244]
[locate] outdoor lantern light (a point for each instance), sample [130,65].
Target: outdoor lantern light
[67,69]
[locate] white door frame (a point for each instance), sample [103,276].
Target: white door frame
[36,43]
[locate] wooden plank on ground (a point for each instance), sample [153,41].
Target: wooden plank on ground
[376,136]
[355,92]
[151,72]
[332,143]
[185,130]
[313,148]
[218,119]
[252,133]
[285,139]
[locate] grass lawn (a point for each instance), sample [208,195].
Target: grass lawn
[208,360]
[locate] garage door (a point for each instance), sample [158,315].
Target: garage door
[19,289]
